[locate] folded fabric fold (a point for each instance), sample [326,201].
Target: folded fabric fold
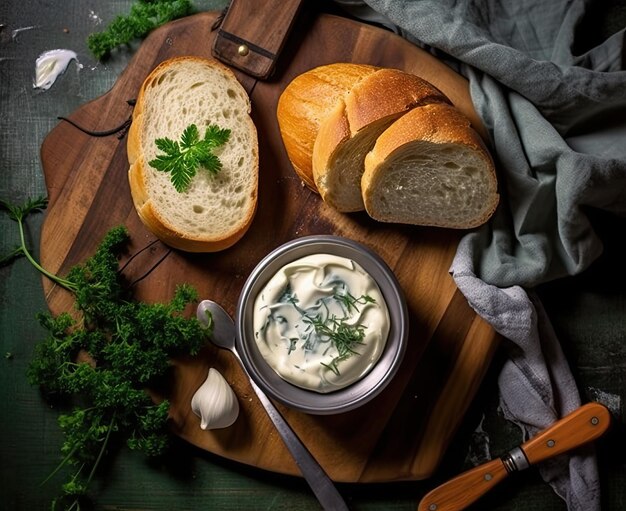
[535,383]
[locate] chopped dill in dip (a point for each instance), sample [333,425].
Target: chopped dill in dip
[321,322]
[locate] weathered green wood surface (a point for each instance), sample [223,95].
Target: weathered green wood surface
[588,311]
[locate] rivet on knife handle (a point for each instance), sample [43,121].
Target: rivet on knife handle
[579,427]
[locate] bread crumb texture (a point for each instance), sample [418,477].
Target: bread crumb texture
[434,184]
[189,91]
[430,168]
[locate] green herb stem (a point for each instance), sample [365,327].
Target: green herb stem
[60,465]
[64,283]
[15,253]
[102,449]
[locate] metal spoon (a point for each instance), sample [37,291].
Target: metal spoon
[318,480]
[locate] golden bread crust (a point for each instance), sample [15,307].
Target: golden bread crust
[305,102]
[371,105]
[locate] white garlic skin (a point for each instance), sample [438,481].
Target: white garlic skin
[215,402]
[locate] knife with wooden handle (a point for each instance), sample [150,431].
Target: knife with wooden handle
[583,425]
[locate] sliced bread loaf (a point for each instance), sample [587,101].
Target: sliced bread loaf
[349,132]
[430,168]
[215,211]
[305,102]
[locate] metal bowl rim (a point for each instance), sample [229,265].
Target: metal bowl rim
[356,394]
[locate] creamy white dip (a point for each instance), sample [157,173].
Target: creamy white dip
[321,322]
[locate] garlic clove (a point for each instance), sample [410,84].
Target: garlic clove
[215,402]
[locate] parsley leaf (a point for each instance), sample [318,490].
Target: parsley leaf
[182,159]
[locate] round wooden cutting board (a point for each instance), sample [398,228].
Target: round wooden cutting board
[403,433]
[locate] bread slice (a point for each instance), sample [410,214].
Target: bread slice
[430,168]
[216,210]
[305,102]
[351,129]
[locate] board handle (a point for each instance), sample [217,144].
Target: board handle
[253,33]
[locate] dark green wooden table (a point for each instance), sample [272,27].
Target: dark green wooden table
[588,311]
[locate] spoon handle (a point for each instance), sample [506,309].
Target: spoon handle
[318,480]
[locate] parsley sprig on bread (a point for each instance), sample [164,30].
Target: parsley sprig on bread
[214,211]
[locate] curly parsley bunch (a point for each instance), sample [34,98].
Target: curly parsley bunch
[103,361]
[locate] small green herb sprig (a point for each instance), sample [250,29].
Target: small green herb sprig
[19,213]
[183,159]
[144,16]
[345,337]
[350,302]
[102,359]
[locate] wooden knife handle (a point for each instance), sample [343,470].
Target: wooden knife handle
[583,425]
[253,33]
[465,489]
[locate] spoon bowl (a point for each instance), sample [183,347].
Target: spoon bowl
[223,326]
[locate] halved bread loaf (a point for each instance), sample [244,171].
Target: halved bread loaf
[430,168]
[349,132]
[306,102]
[216,210]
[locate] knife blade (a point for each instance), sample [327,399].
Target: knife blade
[583,425]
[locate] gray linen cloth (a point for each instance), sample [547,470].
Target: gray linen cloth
[557,123]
